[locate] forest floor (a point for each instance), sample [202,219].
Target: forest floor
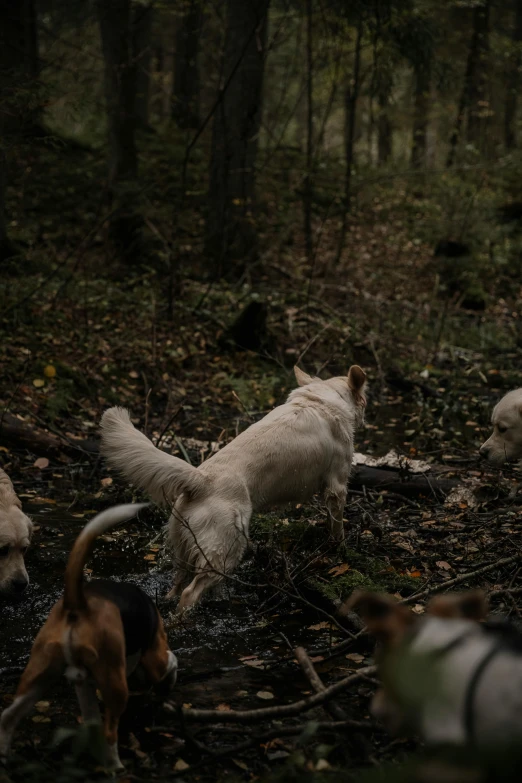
[76,339]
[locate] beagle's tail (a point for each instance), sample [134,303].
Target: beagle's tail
[161,475]
[74,597]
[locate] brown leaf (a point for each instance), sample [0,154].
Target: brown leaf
[41,462]
[223,708]
[355,657]
[106,482]
[443,565]
[319,626]
[340,569]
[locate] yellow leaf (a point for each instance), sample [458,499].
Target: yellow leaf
[149,557]
[38,382]
[49,371]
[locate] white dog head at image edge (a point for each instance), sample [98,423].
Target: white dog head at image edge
[505,443]
[15,536]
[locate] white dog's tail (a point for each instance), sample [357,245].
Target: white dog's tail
[161,475]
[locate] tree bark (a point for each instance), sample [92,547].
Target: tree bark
[18,78]
[419,143]
[142,51]
[473,85]
[231,235]
[479,106]
[384,126]
[115,21]
[307,188]
[513,82]
[185,94]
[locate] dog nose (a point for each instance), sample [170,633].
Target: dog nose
[19,585]
[483,452]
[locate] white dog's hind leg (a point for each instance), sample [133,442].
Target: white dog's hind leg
[88,702]
[335,499]
[11,717]
[196,588]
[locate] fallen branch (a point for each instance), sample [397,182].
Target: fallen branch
[413,485]
[462,578]
[333,709]
[21,434]
[279,711]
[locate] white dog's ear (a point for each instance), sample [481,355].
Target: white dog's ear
[356,379]
[302,378]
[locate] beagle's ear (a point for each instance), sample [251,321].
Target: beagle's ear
[385,618]
[472,605]
[356,380]
[302,378]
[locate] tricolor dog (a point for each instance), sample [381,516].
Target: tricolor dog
[445,675]
[96,635]
[505,442]
[300,448]
[15,536]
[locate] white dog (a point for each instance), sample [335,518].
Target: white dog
[505,444]
[445,675]
[301,447]
[15,536]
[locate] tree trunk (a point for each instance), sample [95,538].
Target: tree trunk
[142,55]
[350,112]
[307,187]
[474,85]
[19,103]
[231,236]
[185,94]
[513,82]
[120,90]
[421,113]
[384,126]
[479,106]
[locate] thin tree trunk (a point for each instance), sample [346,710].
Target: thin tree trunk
[479,107]
[421,113]
[468,97]
[19,102]
[307,189]
[231,235]
[142,17]
[120,90]
[384,126]
[350,114]
[185,95]
[513,82]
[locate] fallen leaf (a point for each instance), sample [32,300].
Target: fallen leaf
[321,765]
[340,569]
[442,564]
[257,662]
[41,462]
[416,574]
[355,657]
[49,371]
[223,708]
[45,500]
[40,719]
[149,557]
[187,705]
[240,764]
[133,374]
[264,695]
[38,382]
[418,609]
[42,706]
[180,765]
[319,626]
[106,482]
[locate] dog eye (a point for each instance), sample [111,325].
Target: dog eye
[501,429]
[4,551]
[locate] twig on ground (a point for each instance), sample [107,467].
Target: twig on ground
[332,708]
[278,711]
[462,578]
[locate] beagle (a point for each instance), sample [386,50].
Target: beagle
[445,675]
[15,536]
[97,634]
